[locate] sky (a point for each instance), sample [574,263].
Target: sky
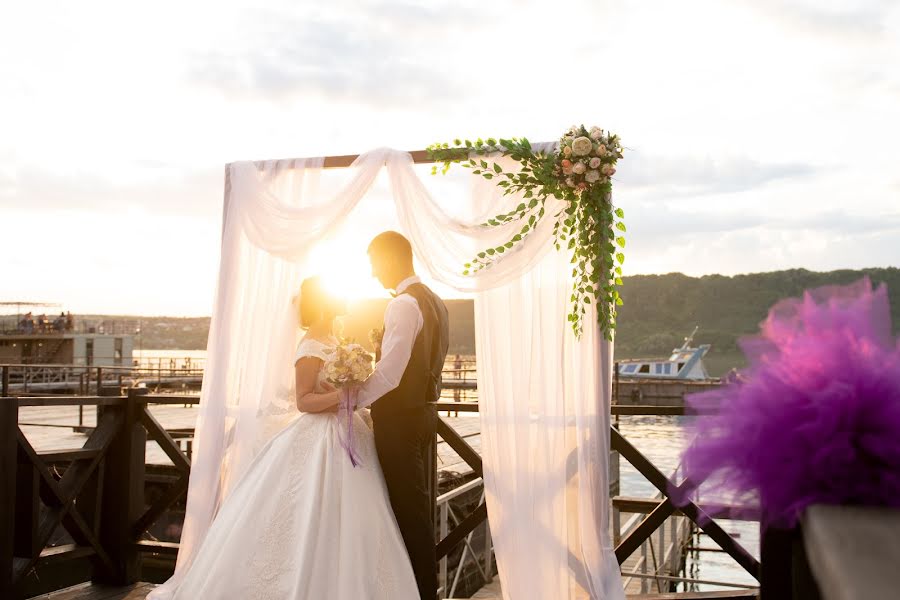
[760,134]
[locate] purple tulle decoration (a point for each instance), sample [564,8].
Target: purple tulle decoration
[815,419]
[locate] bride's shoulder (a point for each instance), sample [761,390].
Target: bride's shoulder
[312,348]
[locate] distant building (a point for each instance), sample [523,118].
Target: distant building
[86,349]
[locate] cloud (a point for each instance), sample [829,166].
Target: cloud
[695,177]
[860,20]
[157,190]
[652,219]
[698,243]
[382,52]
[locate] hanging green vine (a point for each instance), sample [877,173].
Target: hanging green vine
[578,172]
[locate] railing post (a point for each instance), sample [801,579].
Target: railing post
[645,583]
[779,564]
[442,577]
[123,492]
[9,419]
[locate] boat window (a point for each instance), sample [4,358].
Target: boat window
[644,369]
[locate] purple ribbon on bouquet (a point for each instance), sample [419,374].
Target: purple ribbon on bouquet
[349,404]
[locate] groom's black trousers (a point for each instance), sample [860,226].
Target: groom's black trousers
[405,442]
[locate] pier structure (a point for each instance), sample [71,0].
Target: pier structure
[88,510]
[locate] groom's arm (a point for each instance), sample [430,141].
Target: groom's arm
[402,323]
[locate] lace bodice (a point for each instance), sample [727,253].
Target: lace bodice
[315,349]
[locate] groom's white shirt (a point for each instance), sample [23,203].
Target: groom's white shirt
[402,323]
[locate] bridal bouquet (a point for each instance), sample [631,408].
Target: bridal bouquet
[347,365]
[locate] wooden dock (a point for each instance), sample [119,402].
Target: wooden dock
[64,453]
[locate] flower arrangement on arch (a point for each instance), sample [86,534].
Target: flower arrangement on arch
[578,172]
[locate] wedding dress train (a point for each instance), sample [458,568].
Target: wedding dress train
[304,524]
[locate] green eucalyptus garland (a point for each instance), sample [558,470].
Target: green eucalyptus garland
[579,172]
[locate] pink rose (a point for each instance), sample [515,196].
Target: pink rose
[595,163]
[578,168]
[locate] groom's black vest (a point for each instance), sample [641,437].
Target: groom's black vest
[421,382]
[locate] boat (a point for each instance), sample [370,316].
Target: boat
[685,362]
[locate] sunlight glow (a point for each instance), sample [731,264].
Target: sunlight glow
[344,267]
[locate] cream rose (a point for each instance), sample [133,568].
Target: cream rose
[582,146]
[592,176]
[601,150]
[567,151]
[595,163]
[578,168]
[596,133]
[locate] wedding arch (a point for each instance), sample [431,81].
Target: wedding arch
[544,385]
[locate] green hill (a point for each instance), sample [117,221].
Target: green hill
[660,310]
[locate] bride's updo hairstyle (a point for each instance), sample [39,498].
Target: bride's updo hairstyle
[317,303]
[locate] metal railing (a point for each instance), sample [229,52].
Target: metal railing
[484,566]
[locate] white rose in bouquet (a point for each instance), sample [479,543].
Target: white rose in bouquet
[582,146]
[347,365]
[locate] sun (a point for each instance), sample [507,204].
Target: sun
[343,265]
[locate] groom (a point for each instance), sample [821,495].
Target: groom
[402,390]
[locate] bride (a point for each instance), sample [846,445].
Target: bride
[303,523]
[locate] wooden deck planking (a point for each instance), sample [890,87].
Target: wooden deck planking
[89,591]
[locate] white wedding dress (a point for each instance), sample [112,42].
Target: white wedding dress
[304,524]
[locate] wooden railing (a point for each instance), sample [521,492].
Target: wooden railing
[657,515]
[96,492]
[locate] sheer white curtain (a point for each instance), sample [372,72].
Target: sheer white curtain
[544,436]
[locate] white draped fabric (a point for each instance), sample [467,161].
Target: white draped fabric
[544,395]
